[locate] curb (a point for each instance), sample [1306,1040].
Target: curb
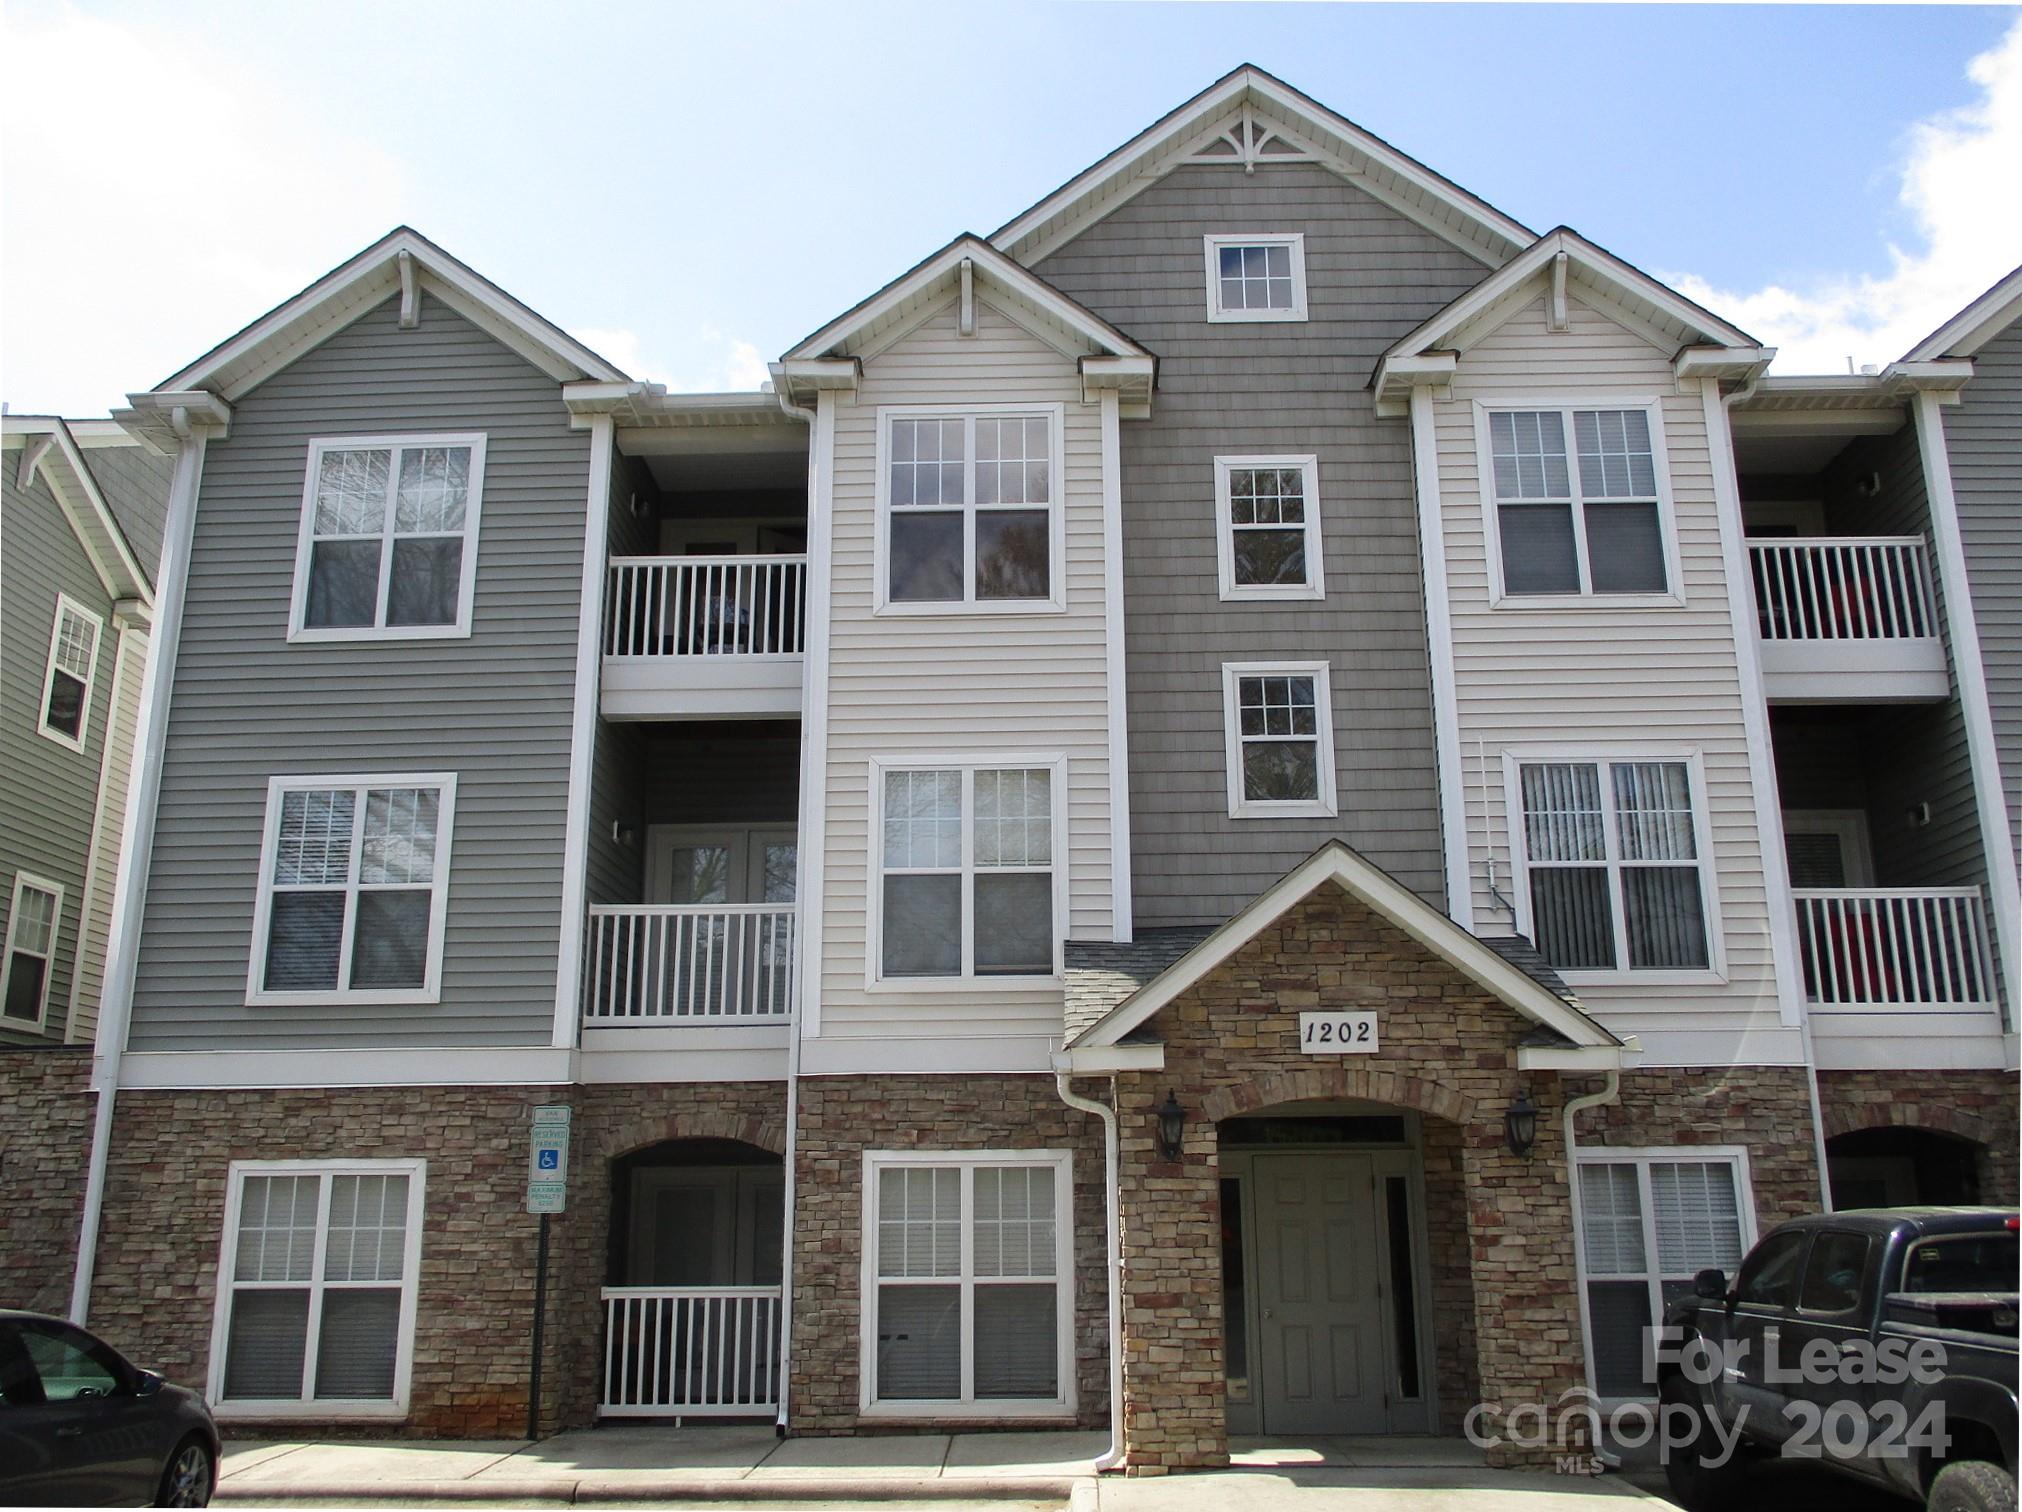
[509,1490]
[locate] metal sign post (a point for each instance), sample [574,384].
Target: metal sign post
[547,1194]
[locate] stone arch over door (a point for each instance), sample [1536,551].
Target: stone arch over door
[1348,1083]
[623,1138]
[1853,1118]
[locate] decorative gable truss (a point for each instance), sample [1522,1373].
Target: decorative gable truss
[43,447]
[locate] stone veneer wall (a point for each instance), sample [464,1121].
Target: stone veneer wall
[1975,1105]
[1448,1050]
[1767,1109]
[843,1116]
[46,1107]
[165,1199]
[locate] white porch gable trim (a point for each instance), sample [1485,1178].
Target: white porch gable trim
[1976,325]
[390,266]
[1376,889]
[46,445]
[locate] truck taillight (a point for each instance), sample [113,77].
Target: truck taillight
[2015,1223]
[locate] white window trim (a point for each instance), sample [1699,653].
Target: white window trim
[1056,507]
[1667,519]
[1516,757]
[876,1161]
[1211,247]
[1328,804]
[438,908]
[1315,586]
[874,949]
[298,632]
[66,604]
[416,1172]
[1643,1157]
[22,882]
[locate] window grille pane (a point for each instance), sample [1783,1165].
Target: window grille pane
[1625,548]
[1281,771]
[314,845]
[1267,495]
[427,587]
[1573,917]
[351,492]
[923,819]
[266,1345]
[1017,1347]
[64,710]
[1014,818]
[923,925]
[1277,705]
[1666,918]
[368,1229]
[400,828]
[1620,1314]
[1528,453]
[1014,923]
[1014,1221]
[919,1221]
[343,584]
[926,551]
[277,1228]
[1270,558]
[1698,1219]
[1538,553]
[34,920]
[1615,457]
[1562,812]
[926,462]
[391,948]
[76,644]
[1653,811]
[919,1343]
[1013,550]
[1611,1218]
[434,492]
[357,1345]
[304,938]
[1012,456]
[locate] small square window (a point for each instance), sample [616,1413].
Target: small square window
[1257,276]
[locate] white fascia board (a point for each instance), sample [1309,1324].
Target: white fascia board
[1579,1059]
[1739,364]
[1335,862]
[1944,377]
[1976,325]
[437,1067]
[1397,376]
[49,446]
[158,417]
[1133,378]
[1106,1060]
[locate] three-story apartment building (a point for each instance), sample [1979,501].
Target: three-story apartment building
[1263,802]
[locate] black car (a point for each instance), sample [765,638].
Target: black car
[81,1427]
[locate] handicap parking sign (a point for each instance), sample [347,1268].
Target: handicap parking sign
[551,1160]
[548,1163]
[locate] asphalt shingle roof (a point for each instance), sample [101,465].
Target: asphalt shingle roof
[1101,973]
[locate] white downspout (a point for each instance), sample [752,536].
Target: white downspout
[1114,1240]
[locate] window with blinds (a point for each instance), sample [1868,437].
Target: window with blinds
[1647,1223]
[1584,519]
[1615,867]
[318,1301]
[72,673]
[968,1306]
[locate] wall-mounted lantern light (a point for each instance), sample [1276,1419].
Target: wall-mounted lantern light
[1520,1125]
[1172,1123]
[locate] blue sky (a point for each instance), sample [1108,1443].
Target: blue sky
[695,187]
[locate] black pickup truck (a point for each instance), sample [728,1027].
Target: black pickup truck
[1879,1343]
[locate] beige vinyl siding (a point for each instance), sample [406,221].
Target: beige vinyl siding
[970,684]
[95,908]
[49,792]
[1568,675]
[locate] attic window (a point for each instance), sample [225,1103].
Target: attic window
[1256,277]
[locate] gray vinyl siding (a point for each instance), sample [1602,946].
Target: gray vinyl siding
[1984,439]
[1290,388]
[616,869]
[50,791]
[135,483]
[496,708]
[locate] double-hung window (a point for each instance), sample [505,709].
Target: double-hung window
[34,915]
[389,537]
[1616,860]
[1254,276]
[1267,513]
[1584,521]
[1648,1221]
[1279,732]
[968,884]
[353,886]
[970,517]
[968,1278]
[316,1288]
[72,673]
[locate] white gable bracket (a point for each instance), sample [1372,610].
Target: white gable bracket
[410,293]
[965,322]
[32,453]
[1557,320]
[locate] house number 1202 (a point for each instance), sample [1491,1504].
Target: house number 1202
[1337,1033]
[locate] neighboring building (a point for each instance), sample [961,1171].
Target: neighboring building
[80,519]
[1263,671]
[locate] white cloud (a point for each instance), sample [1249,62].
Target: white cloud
[733,365]
[1959,185]
[160,191]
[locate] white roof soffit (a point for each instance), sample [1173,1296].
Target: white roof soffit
[1976,325]
[43,444]
[1699,339]
[1253,102]
[398,264]
[1384,895]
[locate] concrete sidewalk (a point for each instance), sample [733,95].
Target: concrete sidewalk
[748,1467]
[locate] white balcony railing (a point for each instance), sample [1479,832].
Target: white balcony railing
[1842,588]
[706,606]
[714,963]
[1922,948]
[690,1351]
